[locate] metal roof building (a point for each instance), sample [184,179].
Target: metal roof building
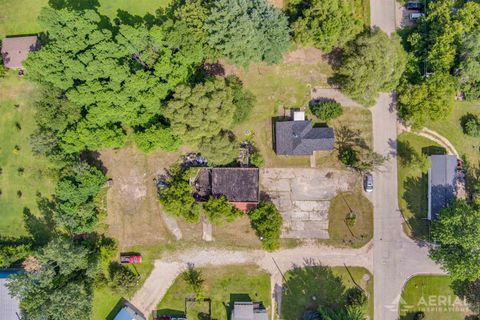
[441,183]
[9,306]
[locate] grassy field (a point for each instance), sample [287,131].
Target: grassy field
[23,175]
[223,285]
[413,183]
[20,17]
[312,287]
[432,295]
[467,146]
[340,233]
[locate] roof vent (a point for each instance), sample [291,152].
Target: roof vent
[299,116]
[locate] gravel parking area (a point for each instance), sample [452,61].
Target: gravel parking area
[303,197]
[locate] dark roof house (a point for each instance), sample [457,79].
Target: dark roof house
[240,186]
[249,311]
[301,138]
[16,49]
[441,183]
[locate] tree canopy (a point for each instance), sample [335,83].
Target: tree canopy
[202,111]
[115,80]
[428,100]
[247,31]
[59,286]
[75,195]
[176,198]
[220,150]
[324,24]
[372,63]
[456,231]
[219,211]
[267,222]
[469,67]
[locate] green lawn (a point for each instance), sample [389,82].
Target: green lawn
[312,287]
[467,146]
[434,296]
[20,17]
[276,88]
[413,183]
[223,285]
[362,231]
[19,191]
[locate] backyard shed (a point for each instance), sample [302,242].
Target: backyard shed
[249,311]
[16,49]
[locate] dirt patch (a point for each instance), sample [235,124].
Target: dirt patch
[237,234]
[134,213]
[277,3]
[304,56]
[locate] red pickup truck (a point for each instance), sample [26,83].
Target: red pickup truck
[131,259]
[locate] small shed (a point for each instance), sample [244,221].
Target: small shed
[249,311]
[16,49]
[129,312]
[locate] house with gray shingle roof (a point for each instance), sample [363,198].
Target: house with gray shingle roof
[300,138]
[442,181]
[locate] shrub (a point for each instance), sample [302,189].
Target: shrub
[219,211]
[267,222]
[351,219]
[326,110]
[122,279]
[194,279]
[355,297]
[348,157]
[471,126]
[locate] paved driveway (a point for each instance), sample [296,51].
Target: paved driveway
[383,15]
[303,197]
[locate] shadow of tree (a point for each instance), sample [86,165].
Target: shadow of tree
[406,153]
[415,195]
[346,138]
[308,288]
[41,228]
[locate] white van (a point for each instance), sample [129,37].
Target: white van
[416,15]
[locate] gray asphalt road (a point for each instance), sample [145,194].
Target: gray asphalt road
[382,14]
[395,256]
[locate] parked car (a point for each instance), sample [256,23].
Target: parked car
[368,182]
[414,6]
[131,259]
[416,15]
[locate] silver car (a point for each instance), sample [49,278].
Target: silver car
[368,182]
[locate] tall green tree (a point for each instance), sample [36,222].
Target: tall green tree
[115,80]
[202,111]
[75,196]
[177,197]
[219,211]
[247,31]
[430,100]
[220,150]
[324,24]
[456,233]
[373,63]
[469,67]
[60,285]
[267,222]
